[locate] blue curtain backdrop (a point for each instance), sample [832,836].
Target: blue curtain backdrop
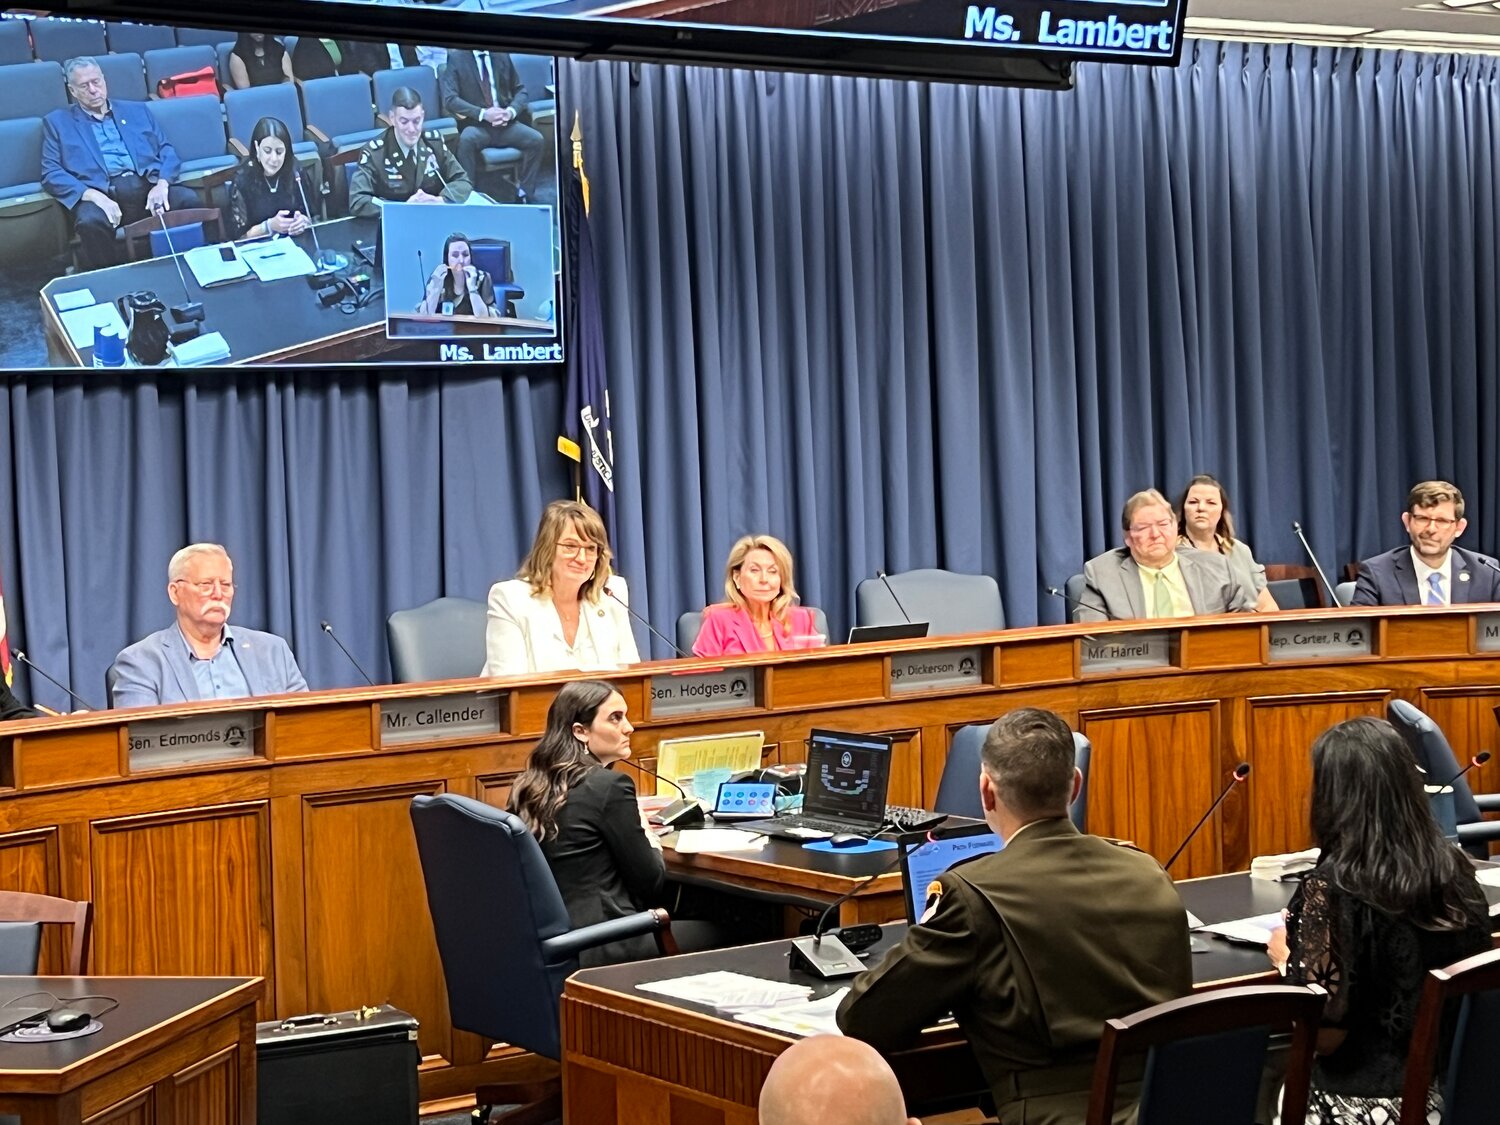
[898,325]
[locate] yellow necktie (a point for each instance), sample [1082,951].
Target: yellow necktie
[1164,607]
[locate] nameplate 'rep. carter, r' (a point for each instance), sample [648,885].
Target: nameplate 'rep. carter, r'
[1321,640]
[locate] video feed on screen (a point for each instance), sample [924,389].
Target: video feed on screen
[179,197]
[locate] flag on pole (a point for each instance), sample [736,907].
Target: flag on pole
[4,643]
[586,437]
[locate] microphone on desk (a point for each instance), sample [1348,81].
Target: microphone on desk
[327,628]
[1241,772]
[1477,760]
[655,632]
[78,699]
[190,311]
[1333,597]
[1056,593]
[829,955]
[324,266]
[880,574]
[681,813]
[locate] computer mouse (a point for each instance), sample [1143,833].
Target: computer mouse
[846,840]
[68,1019]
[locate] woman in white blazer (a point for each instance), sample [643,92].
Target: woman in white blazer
[563,610]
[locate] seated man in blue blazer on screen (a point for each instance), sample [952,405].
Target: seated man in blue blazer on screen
[200,656]
[1431,571]
[107,162]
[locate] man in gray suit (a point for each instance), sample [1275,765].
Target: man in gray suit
[199,656]
[1149,577]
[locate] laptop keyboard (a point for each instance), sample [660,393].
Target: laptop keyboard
[907,819]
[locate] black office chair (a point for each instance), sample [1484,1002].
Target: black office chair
[1205,1055]
[442,640]
[1465,997]
[504,938]
[958,789]
[1433,753]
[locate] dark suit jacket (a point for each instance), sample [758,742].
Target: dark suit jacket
[463,95]
[10,706]
[72,162]
[603,863]
[1390,579]
[1032,949]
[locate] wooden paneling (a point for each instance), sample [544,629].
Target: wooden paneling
[1155,771]
[29,862]
[186,892]
[1281,734]
[369,935]
[320,731]
[1438,634]
[208,1091]
[1040,662]
[798,684]
[47,760]
[1230,647]
[139,1109]
[1466,715]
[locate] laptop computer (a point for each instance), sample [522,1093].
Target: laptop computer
[844,789]
[901,631]
[926,855]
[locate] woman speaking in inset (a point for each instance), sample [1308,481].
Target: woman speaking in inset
[458,287]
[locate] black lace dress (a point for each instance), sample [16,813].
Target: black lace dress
[1372,965]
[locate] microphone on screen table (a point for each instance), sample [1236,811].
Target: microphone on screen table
[1241,772]
[327,628]
[190,311]
[78,699]
[655,632]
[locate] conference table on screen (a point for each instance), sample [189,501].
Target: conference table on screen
[278,828]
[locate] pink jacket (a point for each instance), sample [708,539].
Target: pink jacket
[728,631]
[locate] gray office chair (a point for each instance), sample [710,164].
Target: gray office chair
[125,74]
[950,603]
[690,624]
[958,789]
[31,89]
[24,914]
[1295,593]
[1344,592]
[1429,745]
[15,44]
[442,640]
[1075,589]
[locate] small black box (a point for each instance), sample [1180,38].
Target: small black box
[341,1068]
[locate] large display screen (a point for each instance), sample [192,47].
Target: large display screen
[179,197]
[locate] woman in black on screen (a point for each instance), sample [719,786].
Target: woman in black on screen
[458,287]
[258,60]
[269,194]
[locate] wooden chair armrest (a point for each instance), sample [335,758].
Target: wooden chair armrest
[239,148]
[318,135]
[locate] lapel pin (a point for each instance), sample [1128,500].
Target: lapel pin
[1463,575]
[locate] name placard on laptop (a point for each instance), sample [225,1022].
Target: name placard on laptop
[440,716]
[1313,640]
[947,668]
[160,743]
[704,693]
[1487,632]
[1125,652]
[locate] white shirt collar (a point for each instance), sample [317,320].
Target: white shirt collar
[1423,570]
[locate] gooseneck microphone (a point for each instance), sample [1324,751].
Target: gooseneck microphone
[190,311]
[1056,593]
[327,628]
[1241,772]
[682,812]
[312,227]
[826,955]
[655,632]
[1477,760]
[78,699]
[880,574]
[1333,597]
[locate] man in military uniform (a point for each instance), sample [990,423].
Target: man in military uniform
[405,164]
[1032,947]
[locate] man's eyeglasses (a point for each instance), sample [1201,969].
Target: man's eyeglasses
[1442,523]
[1166,527]
[570,550]
[211,585]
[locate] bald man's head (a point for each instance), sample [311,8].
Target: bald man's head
[831,1080]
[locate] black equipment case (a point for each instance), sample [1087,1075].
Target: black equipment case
[341,1068]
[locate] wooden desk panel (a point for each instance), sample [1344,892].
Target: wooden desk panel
[298,864]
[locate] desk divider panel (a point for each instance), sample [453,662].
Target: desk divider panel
[1427,637]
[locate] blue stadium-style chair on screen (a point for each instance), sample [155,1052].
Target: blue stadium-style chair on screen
[1463,1000]
[33,225]
[59,39]
[950,603]
[22,916]
[958,788]
[1204,1055]
[32,89]
[493,256]
[340,114]
[537,75]
[125,75]
[139,38]
[172,61]
[15,44]
[690,624]
[442,640]
[189,228]
[195,127]
[503,935]
[243,108]
[425,83]
[203,36]
[1429,745]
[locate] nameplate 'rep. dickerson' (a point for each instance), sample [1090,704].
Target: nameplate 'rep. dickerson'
[430,717]
[943,668]
[1124,652]
[160,743]
[703,693]
[1315,640]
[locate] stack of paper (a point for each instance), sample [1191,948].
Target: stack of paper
[278,258]
[1252,931]
[729,992]
[1275,867]
[809,1017]
[215,265]
[694,840]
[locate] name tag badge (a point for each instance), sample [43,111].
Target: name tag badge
[447,308]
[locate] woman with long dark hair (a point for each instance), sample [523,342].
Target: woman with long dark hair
[1388,900]
[269,194]
[458,287]
[585,817]
[1205,523]
[258,60]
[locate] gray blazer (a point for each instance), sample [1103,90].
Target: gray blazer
[1112,583]
[155,669]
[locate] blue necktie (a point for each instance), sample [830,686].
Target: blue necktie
[1434,588]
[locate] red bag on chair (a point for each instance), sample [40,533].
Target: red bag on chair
[201,81]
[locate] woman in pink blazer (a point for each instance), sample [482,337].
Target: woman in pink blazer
[759,616]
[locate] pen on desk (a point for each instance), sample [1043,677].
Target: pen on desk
[274,254]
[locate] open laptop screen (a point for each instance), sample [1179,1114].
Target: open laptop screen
[847,776]
[926,855]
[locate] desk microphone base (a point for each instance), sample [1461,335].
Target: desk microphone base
[829,958]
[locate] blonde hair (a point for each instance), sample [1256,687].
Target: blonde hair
[778,551]
[537,566]
[1145,499]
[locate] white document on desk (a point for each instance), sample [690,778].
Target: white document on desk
[80,323]
[1251,931]
[278,258]
[210,266]
[729,992]
[814,1017]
